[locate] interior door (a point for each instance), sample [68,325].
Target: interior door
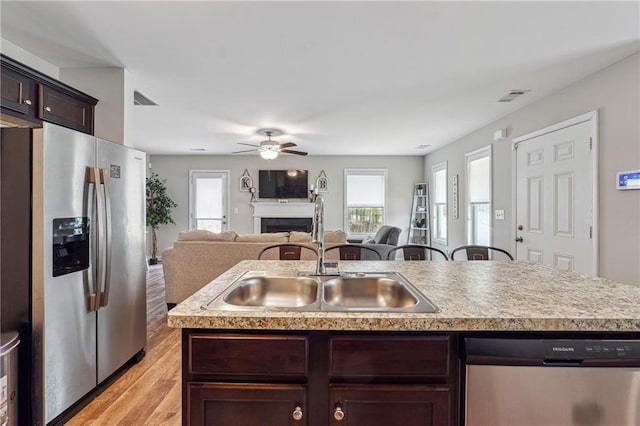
[554,199]
[208,200]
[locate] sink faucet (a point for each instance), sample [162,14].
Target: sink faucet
[317,234]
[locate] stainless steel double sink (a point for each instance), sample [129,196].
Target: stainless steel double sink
[347,292]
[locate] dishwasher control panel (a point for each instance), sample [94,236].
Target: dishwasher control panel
[550,352]
[592,349]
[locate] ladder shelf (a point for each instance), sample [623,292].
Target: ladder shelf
[420,224]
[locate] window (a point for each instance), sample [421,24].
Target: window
[365,195]
[479,196]
[439,179]
[208,200]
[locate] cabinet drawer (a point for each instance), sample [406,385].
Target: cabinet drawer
[60,108]
[389,357]
[248,355]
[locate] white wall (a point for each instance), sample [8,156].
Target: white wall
[19,54]
[615,92]
[109,85]
[403,172]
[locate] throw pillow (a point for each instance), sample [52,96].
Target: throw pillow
[337,236]
[275,237]
[204,235]
[299,237]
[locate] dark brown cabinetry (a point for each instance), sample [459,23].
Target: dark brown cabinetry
[246,404]
[404,405]
[414,380]
[319,378]
[60,108]
[19,92]
[238,379]
[29,97]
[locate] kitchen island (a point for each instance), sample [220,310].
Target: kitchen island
[496,296]
[265,366]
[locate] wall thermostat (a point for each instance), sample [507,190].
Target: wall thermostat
[628,180]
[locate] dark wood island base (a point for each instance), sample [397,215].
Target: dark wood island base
[319,378]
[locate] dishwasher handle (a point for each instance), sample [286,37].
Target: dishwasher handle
[504,351]
[562,362]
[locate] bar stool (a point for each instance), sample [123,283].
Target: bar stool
[415,252]
[356,252]
[288,251]
[475,252]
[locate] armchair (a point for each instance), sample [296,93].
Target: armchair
[385,239]
[387,234]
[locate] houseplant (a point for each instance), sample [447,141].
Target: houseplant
[159,207]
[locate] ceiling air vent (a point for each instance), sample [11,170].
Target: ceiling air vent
[513,94]
[140,99]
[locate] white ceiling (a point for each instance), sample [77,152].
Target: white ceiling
[340,78]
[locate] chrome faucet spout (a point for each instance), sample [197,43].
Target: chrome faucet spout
[317,234]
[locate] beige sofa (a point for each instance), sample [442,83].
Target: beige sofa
[198,257]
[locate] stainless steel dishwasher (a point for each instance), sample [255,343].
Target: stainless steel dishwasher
[552,382]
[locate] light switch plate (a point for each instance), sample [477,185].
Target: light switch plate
[499,214]
[628,180]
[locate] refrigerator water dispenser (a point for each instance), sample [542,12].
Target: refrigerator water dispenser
[70,245]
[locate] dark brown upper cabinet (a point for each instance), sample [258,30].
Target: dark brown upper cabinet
[29,96]
[19,92]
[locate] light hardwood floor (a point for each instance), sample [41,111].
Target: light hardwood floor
[149,392]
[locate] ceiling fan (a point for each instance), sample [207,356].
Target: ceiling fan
[269,149]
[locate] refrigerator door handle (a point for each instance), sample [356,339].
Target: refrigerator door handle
[104,295]
[94,178]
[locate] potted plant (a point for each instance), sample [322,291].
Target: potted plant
[159,207]
[420,188]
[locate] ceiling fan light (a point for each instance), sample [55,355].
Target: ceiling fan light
[268,154]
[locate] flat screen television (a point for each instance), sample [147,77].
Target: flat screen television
[283,184]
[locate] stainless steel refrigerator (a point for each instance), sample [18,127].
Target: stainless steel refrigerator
[73,245]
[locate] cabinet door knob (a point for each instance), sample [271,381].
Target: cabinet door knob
[27,101]
[338,414]
[297,414]
[48,109]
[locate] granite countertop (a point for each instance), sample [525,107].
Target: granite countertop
[494,296]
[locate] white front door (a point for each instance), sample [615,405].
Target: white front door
[208,200]
[554,198]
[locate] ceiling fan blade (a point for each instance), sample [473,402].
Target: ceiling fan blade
[248,150]
[289,151]
[287,145]
[248,144]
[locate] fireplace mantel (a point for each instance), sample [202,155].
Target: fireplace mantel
[261,210]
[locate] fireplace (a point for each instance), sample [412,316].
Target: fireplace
[282,217]
[285,224]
